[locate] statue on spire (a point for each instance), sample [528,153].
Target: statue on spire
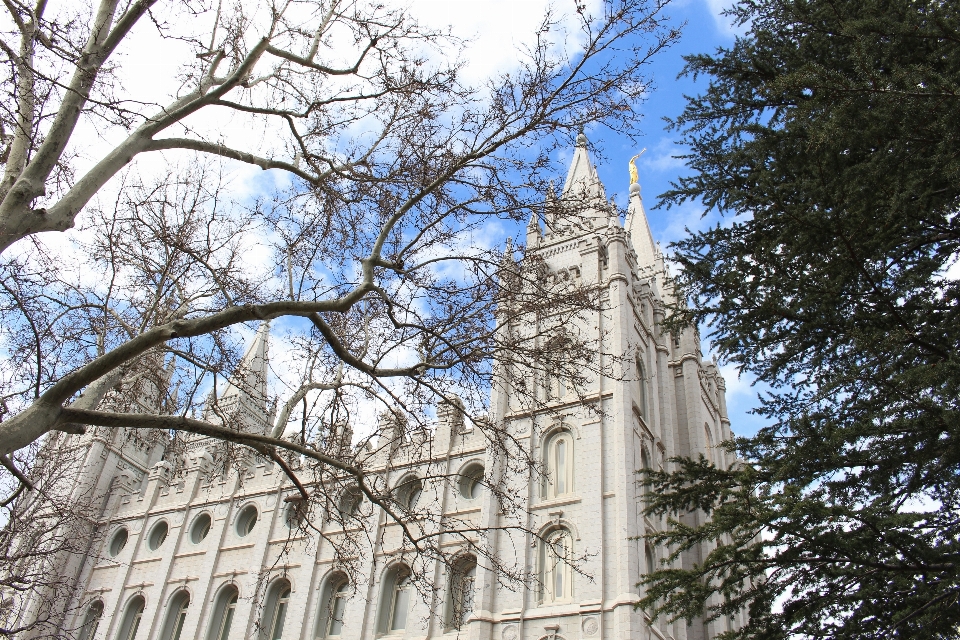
[634,176]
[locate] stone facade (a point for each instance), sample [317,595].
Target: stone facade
[178,553]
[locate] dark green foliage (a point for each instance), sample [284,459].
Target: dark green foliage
[830,138]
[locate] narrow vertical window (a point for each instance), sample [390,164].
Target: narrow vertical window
[400,603]
[337,607]
[556,572]
[462,586]
[223,613]
[394,600]
[645,466]
[177,616]
[558,387]
[333,604]
[91,621]
[558,465]
[561,449]
[708,442]
[641,389]
[275,611]
[131,619]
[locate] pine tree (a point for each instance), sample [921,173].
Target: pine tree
[829,136]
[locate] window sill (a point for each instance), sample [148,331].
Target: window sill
[556,502]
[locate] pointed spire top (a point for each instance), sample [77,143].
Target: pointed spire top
[250,377]
[582,176]
[507,262]
[534,222]
[581,138]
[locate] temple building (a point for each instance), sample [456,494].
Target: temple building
[193,550]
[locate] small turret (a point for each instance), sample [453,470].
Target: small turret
[246,396]
[250,377]
[533,230]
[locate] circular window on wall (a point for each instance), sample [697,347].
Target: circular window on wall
[118,542]
[200,528]
[247,520]
[471,482]
[350,501]
[409,492]
[157,535]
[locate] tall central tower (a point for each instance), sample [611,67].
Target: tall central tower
[650,397]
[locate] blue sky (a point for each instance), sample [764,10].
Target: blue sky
[705,31]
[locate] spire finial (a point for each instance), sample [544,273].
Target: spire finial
[581,137]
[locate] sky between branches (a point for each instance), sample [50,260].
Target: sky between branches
[495,29]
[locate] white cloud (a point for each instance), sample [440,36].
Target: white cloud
[496,29]
[724,24]
[662,157]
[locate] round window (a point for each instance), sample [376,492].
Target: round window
[157,535]
[350,502]
[471,482]
[200,529]
[247,520]
[408,493]
[118,542]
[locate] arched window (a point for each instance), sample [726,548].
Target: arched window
[645,466]
[396,600]
[176,616]
[556,386]
[649,558]
[708,441]
[131,619]
[91,621]
[558,464]
[462,585]
[223,612]
[556,570]
[333,604]
[275,610]
[641,388]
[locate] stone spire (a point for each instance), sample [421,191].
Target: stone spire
[582,178]
[649,257]
[533,229]
[249,379]
[638,227]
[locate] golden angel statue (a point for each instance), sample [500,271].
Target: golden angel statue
[634,176]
